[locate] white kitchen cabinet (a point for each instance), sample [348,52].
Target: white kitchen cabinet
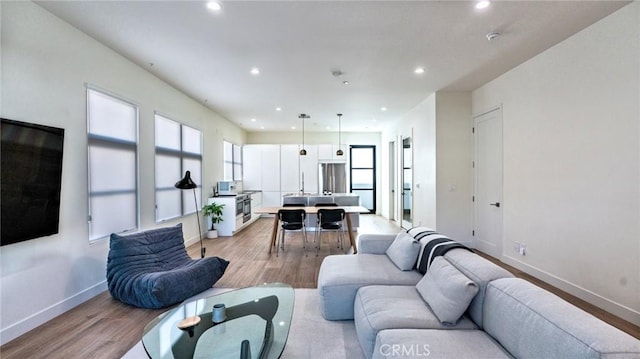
[328,152]
[252,167]
[289,168]
[270,168]
[228,224]
[271,199]
[309,167]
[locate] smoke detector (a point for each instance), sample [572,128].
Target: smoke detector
[492,35]
[337,73]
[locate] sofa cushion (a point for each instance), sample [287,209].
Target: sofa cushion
[447,291]
[341,275]
[433,343]
[530,322]
[479,270]
[394,307]
[404,251]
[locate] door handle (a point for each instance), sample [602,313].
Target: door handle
[497,204]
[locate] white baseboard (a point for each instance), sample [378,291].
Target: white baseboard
[599,301]
[17,329]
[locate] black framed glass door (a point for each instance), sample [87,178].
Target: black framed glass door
[363,174]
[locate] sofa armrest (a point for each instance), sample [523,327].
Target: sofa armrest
[375,243]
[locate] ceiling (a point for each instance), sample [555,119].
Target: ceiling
[297,45]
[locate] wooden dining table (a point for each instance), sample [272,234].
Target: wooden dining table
[314,210]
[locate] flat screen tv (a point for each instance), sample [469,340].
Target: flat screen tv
[31,177]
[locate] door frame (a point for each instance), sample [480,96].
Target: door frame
[406,223]
[476,117]
[393,172]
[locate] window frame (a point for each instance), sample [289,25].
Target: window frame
[96,140]
[181,155]
[234,163]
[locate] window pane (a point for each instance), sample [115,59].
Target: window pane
[167,133]
[362,157]
[111,169]
[194,166]
[191,140]
[167,171]
[237,172]
[237,154]
[188,200]
[112,214]
[228,171]
[168,204]
[362,179]
[228,151]
[108,116]
[366,198]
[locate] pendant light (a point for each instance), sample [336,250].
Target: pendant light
[339,151]
[302,116]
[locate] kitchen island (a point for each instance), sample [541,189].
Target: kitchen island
[311,199]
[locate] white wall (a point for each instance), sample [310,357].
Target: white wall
[571,124]
[440,128]
[45,65]
[454,184]
[420,125]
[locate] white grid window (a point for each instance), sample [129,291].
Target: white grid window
[112,131]
[178,149]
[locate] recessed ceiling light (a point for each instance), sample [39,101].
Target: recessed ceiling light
[383,109]
[262,127]
[293,127]
[328,127]
[419,70]
[214,6]
[483,4]
[253,120]
[278,108]
[255,71]
[345,82]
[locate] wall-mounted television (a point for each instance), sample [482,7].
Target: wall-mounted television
[31,177]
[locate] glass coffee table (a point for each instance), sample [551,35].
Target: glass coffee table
[251,322]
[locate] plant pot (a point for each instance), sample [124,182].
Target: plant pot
[212,234]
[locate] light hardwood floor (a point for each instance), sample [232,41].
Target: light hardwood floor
[105,328]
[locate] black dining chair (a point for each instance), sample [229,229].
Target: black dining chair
[330,220]
[292,220]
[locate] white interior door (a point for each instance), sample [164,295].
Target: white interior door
[488,183]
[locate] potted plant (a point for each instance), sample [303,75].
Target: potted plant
[214,211]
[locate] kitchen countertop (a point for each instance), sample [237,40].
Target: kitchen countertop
[320,195]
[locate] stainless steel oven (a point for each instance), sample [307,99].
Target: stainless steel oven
[239,205]
[246,209]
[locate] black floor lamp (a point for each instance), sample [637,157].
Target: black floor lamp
[187,183]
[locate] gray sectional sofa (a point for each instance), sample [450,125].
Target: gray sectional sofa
[463,307]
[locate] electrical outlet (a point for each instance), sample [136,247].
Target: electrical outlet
[523,249]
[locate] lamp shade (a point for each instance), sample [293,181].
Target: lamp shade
[186,182]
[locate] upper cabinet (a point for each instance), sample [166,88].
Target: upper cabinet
[289,168]
[270,167]
[328,152]
[309,170]
[252,167]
